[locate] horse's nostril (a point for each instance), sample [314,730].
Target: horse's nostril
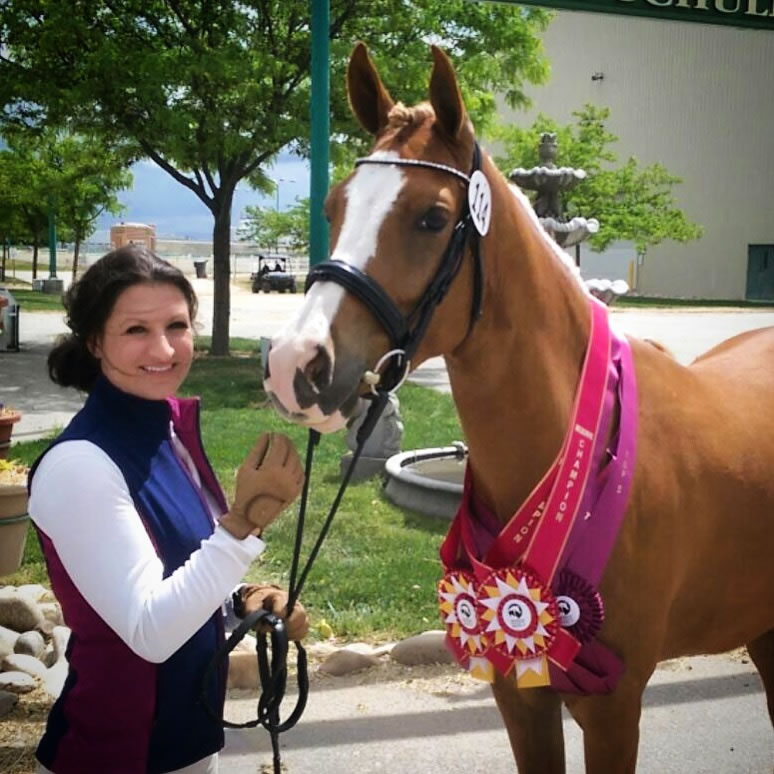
[318,369]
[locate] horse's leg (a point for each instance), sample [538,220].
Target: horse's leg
[533,719]
[611,728]
[761,651]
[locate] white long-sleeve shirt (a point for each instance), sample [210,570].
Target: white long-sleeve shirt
[80,500]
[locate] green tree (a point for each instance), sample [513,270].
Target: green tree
[76,174]
[91,177]
[267,226]
[24,199]
[631,202]
[212,91]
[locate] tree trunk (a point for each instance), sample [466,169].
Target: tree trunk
[76,251]
[221,255]
[35,259]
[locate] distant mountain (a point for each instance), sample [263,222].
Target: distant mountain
[177,213]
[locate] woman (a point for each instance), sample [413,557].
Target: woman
[126,506]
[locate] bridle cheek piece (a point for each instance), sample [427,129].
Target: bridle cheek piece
[406,333]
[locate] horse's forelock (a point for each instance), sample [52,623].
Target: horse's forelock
[403,120]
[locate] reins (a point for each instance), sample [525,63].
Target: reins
[405,335]
[273,671]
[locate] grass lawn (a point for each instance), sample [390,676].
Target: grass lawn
[376,573]
[35,301]
[656,302]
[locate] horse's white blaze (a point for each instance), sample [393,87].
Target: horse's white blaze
[370,195]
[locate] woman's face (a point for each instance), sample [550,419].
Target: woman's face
[146,348]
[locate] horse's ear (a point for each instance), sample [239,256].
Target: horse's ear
[370,101]
[445,96]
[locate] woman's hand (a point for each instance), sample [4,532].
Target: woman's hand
[267,482]
[253,597]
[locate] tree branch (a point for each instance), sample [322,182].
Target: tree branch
[198,189]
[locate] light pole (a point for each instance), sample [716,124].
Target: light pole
[277,181]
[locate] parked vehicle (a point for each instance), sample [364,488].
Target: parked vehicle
[273,274]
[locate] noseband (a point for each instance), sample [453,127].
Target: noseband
[406,333]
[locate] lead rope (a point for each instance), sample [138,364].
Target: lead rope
[273,673]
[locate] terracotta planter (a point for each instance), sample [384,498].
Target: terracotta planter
[8,419]
[14,523]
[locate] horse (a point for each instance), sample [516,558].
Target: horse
[691,570]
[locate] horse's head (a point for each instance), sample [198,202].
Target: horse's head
[401,231]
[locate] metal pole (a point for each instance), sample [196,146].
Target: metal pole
[320,130]
[51,238]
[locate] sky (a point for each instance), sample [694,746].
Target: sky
[156,198]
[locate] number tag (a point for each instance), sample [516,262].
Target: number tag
[480,201]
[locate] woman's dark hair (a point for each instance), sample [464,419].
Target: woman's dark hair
[89,302]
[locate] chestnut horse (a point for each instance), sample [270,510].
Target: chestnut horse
[692,569]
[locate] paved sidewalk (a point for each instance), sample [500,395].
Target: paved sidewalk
[701,716]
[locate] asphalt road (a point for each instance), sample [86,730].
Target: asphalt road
[25,384]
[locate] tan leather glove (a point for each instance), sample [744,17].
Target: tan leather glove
[272,598]
[267,482]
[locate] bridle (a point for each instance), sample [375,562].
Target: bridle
[406,333]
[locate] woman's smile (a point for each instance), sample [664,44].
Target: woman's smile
[147,345]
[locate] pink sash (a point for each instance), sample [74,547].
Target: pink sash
[524,595]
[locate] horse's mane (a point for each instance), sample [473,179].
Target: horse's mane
[566,261]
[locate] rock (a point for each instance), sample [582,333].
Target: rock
[320,650]
[33,591]
[54,679]
[56,674]
[243,665]
[17,682]
[346,661]
[247,644]
[19,613]
[60,636]
[242,670]
[30,644]
[8,701]
[425,648]
[20,662]
[364,647]
[49,657]
[8,639]
[52,612]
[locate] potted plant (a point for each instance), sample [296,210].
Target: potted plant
[14,520]
[8,418]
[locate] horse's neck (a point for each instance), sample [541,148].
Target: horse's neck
[514,380]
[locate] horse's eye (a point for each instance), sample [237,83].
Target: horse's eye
[435,219]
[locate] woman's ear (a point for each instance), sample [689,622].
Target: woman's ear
[95,350]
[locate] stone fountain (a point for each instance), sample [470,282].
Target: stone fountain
[550,182]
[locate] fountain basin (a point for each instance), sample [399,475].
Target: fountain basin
[427,480]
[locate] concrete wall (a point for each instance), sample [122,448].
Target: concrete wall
[697,98]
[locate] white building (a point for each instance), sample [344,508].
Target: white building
[699,99]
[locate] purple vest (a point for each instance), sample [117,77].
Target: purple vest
[117,712]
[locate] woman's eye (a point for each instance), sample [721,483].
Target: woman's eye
[435,219]
[135,329]
[180,325]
